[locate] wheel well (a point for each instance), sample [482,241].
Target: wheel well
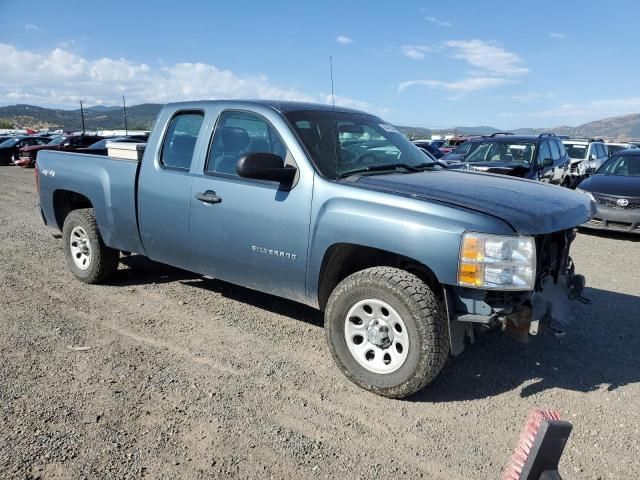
[344,259]
[65,201]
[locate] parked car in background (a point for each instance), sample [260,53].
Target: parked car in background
[100,147]
[587,155]
[448,145]
[68,143]
[426,145]
[308,202]
[615,187]
[613,147]
[10,148]
[460,152]
[540,157]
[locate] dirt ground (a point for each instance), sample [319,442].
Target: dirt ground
[193,378]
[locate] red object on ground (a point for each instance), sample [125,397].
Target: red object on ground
[539,447]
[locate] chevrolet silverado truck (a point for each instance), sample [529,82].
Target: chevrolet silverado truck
[333,208]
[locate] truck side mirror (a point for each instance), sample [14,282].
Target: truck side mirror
[593,156]
[547,162]
[266,166]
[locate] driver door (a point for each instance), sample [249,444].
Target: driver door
[245,231]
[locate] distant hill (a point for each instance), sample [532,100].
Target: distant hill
[141,117]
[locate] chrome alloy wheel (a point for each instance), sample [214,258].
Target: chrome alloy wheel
[376,336]
[80,248]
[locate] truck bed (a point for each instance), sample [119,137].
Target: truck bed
[109,184]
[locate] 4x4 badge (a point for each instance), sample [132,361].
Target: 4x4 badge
[623,202]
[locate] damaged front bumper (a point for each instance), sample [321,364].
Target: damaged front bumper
[520,314]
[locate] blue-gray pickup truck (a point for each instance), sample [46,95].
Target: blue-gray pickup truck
[333,208]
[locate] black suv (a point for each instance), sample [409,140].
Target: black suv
[540,157]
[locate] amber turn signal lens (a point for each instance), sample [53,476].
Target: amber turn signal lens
[471,249]
[471,274]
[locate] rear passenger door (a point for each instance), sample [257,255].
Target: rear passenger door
[250,232]
[164,190]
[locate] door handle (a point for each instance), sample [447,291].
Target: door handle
[208,197]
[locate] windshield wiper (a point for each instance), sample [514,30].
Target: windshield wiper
[388,166]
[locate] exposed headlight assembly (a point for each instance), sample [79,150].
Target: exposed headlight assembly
[497,262]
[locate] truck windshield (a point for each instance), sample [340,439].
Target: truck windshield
[341,142]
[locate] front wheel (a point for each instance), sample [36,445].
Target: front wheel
[387,331]
[88,257]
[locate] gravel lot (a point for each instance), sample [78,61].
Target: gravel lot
[194,378]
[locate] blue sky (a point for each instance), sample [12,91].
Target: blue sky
[434,64]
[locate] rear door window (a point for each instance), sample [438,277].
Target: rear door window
[180,140]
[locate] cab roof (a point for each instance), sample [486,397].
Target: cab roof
[281,106]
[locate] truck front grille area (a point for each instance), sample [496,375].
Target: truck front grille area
[552,254]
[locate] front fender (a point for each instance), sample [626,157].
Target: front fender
[426,231]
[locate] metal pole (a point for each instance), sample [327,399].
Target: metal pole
[124,109]
[82,115]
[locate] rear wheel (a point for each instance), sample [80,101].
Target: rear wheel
[387,331]
[88,257]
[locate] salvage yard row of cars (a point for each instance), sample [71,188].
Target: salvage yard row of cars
[22,150]
[607,170]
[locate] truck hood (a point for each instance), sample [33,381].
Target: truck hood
[530,207]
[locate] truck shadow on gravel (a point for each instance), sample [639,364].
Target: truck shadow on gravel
[263,301]
[600,350]
[144,271]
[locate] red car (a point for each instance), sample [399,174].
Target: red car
[68,143]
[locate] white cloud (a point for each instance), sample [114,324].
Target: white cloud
[558,35]
[578,113]
[437,21]
[529,97]
[30,27]
[593,109]
[466,85]
[493,66]
[62,78]
[488,56]
[344,40]
[415,52]
[348,102]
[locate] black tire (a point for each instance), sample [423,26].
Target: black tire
[104,260]
[422,313]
